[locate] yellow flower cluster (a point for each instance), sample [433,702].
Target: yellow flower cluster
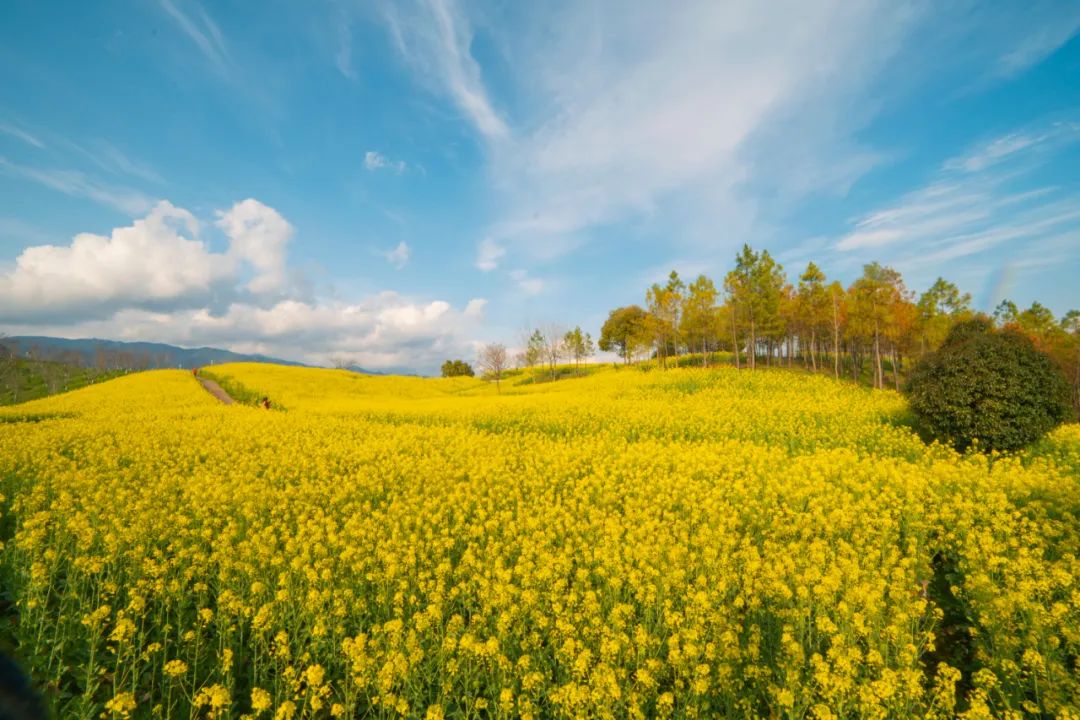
[691,543]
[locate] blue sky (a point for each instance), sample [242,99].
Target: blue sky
[395,182]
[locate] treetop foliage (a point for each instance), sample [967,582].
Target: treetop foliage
[988,388]
[457,368]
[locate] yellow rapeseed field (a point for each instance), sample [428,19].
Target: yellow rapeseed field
[634,544]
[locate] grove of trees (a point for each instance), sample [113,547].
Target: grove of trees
[874,330]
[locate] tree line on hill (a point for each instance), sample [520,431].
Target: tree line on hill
[27,374]
[875,328]
[543,347]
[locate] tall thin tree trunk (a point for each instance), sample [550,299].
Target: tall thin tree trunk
[895,372]
[753,346]
[879,376]
[836,338]
[735,339]
[813,349]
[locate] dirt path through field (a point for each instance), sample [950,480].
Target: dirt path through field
[214,389]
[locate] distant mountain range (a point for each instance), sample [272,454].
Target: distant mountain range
[92,352]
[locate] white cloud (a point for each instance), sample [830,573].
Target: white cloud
[203,31]
[77,184]
[158,280]
[527,284]
[157,260]
[627,109]
[1042,40]
[971,198]
[23,135]
[475,308]
[382,331]
[374,160]
[258,235]
[343,53]
[488,254]
[687,117]
[435,38]
[399,256]
[979,201]
[111,159]
[1012,145]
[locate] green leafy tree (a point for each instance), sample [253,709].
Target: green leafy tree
[665,305]
[699,316]
[534,348]
[769,284]
[457,368]
[938,309]
[624,332]
[813,307]
[1037,322]
[1006,313]
[990,388]
[578,346]
[754,290]
[875,298]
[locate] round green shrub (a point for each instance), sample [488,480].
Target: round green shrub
[987,387]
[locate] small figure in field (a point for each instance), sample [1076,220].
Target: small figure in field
[195,372]
[266,403]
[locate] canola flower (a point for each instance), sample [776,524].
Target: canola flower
[683,544]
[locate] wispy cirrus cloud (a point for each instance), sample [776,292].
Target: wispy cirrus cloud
[203,31]
[52,148]
[434,37]
[980,200]
[21,134]
[1011,145]
[111,159]
[78,184]
[595,114]
[625,109]
[1046,37]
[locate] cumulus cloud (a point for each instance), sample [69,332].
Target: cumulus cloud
[159,280]
[258,234]
[384,331]
[159,261]
[155,261]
